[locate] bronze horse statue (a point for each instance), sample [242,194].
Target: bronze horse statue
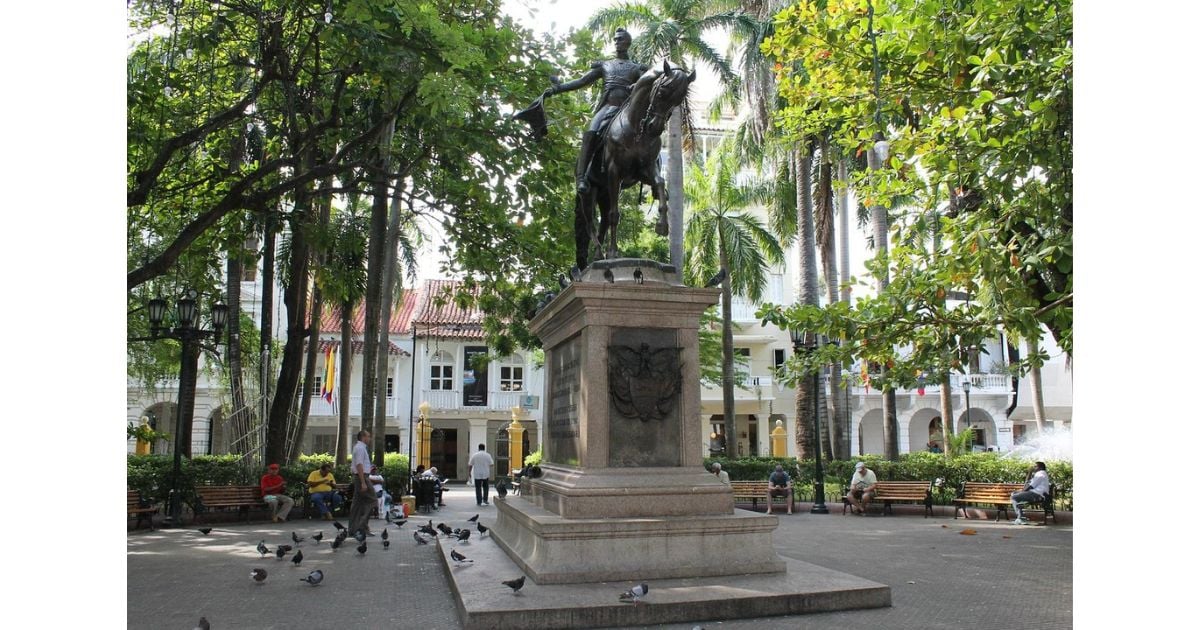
[628,154]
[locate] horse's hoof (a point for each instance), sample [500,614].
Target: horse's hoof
[661,228]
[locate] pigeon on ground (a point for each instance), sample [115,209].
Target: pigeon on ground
[279,552]
[386,543]
[427,529]
[298,557]
[383,535]
[458,557]
[482,529]
[516,584]
[360,536]
[362,548]
[319,536]
[296,539]
[202,624]
[501,490]
[314,577]
[457,530]
[400,523]
[464,535]
[339,525]
[263,550]
[259,575]
[717,279]
[473,519]
[387,516]
[636,593]
[204,530]
[420,539]
[335,543]
[445,529]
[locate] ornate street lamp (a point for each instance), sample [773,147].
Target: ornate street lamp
[808,341]
[190,335]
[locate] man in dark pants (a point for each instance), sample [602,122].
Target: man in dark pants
[364,495]
[481,469]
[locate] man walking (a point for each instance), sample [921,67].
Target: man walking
[364,495]
[1036,490]
[481,469]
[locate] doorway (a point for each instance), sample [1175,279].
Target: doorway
[443,452]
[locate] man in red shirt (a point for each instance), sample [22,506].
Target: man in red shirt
[275,495]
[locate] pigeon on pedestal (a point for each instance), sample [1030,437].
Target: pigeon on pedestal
[458,557]
[516,584]
[636,593]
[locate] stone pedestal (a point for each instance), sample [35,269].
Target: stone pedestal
[624,495]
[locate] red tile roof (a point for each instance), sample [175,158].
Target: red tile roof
[357,346]
[331,319]
[439,315]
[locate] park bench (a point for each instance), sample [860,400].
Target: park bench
[142,509]
[754,491]
[889,492]
[999,495]
[225,497]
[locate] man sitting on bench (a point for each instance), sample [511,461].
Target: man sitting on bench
[779,485]
[1036,489]
[862,488]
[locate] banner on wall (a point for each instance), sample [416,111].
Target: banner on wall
[474,380]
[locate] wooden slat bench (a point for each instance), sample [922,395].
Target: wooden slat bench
[224,497]
[142,509]
[889,492]
[999,495]
[754,491]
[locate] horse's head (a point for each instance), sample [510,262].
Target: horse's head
[668,89]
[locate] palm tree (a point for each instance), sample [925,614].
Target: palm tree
[721,235]
[343,280]
[673,29]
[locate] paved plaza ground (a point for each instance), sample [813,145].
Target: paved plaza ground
[1002,577]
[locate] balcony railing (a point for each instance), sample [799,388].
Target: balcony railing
[750,387]
[980,383]
[453,399]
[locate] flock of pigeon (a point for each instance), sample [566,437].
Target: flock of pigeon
[462,535]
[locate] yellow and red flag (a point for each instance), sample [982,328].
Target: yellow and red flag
[327,384]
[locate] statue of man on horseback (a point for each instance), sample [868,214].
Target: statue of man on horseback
[621,144]
[619,75]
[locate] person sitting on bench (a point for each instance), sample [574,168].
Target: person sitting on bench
[862,488]
[1036,490]
[779,485]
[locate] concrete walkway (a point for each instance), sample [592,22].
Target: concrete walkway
[940,578]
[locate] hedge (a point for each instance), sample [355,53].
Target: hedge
[919,466]
[151,474]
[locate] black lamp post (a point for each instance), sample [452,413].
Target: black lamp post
[967,392]
[189,334]
[808,341]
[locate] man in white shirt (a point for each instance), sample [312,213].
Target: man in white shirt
[481,469]
[364,495]
[862,488]
[1036,490]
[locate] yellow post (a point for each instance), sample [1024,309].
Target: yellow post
[516,433]
[778,437]
[423,431]
[143,447]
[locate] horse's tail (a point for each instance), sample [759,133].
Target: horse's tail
[583,233]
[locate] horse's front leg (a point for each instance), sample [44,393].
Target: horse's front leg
[614,212]
[659,190]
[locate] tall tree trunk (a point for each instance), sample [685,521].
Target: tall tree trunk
[844,254]
[295,301]
[727,374]
[376,247]
[347,364]
[267,321]
[675,187]
[1035,384]
[823,225]
[314,337]
[945,401]
[233,344]
[385,321]
[806,440]
[879,225]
